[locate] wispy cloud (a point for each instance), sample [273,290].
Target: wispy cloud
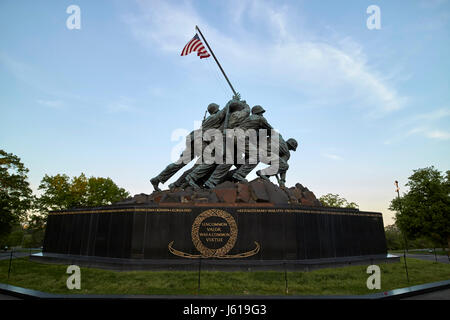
[427,124]
[55,104]
[332,156]
[156,91]
[429,133]
[334,67]
[438,134]
[171,25]
[123,104]
[37,78]
[432,3]
[433,115]
[18,69]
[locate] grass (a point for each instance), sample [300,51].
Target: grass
[339,281]
[438,252]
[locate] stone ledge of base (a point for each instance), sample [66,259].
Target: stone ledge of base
[25,293]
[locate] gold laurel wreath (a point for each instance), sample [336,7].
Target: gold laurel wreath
[207,252]
[214,253]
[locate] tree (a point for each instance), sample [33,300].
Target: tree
[103,191]
[59,192]
[333,200]
[34,231]
[394,239]
[424,211]
[15,192]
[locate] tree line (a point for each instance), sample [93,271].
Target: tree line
[423,212]
[23,215]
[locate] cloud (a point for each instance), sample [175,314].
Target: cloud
[332,156]
[123,104]
[19,70]
[170,25]
[437,114]
[332,69]
[55,104]
[37,78]
[157,91]
[437,134]
[432,3]
[430,133]
[424,124]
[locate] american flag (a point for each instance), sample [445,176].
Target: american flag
[195,45]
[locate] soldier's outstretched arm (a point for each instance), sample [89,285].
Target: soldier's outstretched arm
[215,120]
[265,124]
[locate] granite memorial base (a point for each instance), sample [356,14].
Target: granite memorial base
[258,236]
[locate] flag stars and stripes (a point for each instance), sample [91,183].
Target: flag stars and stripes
[195,45]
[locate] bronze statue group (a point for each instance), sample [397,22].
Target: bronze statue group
[232,136]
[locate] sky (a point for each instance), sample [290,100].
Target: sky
[114,98]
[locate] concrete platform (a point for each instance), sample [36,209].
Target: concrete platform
[210,264]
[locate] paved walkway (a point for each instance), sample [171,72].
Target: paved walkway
[428,257]
[6,297]
[16,254]
[437,295]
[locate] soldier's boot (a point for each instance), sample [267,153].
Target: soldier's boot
[155,181]
[259,174]
[209,185]
[282,181]
[239,178]
[192,183]
[184,185]
[172,186]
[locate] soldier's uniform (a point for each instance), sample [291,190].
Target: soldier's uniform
[280,160]
[256,121]
[272,158]
[238,112]
[194,145]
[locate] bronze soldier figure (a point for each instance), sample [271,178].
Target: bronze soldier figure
[238,111]
[194,143]
[255,121]
[282,158]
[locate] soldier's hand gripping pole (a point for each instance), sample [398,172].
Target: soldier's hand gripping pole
[278,178]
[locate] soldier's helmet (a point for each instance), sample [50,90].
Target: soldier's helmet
[258,110]
[213,108]
[292,143]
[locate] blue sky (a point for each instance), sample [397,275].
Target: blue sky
[367,106]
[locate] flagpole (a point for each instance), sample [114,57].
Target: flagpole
[404,235]
[214,56]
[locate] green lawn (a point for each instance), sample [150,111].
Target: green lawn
[338,281]
[412,251]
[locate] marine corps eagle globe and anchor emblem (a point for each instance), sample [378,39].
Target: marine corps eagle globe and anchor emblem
[214,233]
